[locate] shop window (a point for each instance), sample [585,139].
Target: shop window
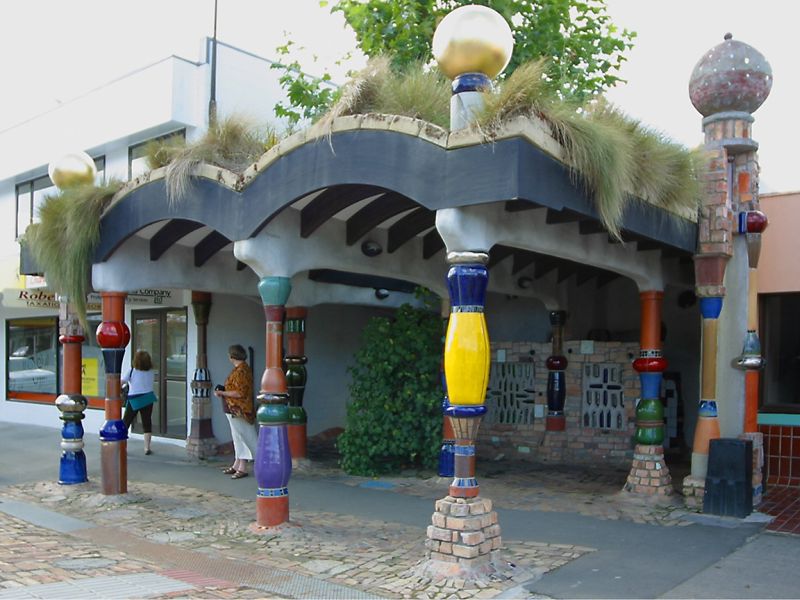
[32,356]
[780,344]
[137,155]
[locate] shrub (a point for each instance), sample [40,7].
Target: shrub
[394,417]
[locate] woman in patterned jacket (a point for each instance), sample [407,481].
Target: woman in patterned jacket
[237,399]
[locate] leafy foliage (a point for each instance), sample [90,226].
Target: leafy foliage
[64,241]
[394,417]
[233,143]
[585,50]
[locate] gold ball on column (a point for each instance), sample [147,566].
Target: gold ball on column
[473,39]
[76,168]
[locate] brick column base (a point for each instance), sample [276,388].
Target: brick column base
[694,490]
[758,464]
[463,540]
[649,474]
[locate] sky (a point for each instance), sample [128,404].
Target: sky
[55,50]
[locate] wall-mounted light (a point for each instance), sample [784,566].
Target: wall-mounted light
[371,248]
[381,294]
[524,283]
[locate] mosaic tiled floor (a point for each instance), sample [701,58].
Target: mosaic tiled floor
[783,503]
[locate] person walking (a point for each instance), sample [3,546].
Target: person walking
[141,397]
[237,399]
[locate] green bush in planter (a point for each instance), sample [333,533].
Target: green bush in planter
[394,418]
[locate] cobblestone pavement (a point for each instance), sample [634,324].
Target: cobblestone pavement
[591,491]
[187,524]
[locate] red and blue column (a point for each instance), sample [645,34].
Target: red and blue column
[273,464]
[556,376]
[650,365]
[71,403]
[113,336]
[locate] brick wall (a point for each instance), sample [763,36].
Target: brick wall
[577,443]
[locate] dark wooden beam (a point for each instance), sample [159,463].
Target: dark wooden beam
[544,265]
[522,259]
[432,242]
[240,266]
[590,226]
[585,274]
[409,226]
[520,205]
[497,254]
[566,269]
[330,202]
[648,245]
[375,213]
[169,234]
[561,216]
[606,277]
[208,247]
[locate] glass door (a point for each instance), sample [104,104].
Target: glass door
[162,332]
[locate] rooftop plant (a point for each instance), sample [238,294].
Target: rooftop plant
[609,153]
[64,241]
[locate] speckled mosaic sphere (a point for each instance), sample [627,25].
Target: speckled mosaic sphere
[473,39]
[72,169]
[732,76]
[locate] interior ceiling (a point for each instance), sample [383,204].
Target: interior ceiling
[366,208]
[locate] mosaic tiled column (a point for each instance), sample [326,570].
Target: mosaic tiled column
[201,442]
[465,530]
[649,474]
[273,465]
[556,376]
[113,336]
[71,404]
[446,457]
[296,377]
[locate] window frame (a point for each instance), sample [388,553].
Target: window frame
[134,147]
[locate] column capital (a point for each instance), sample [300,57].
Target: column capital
[274,291]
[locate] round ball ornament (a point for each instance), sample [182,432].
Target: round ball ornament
[473,39]
[732,76]
[72,169]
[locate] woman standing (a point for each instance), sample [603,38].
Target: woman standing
[238,396]
[140,395]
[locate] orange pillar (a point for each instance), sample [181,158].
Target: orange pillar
[113,336]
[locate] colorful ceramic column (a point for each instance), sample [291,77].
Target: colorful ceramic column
[649,474]
[466,363]
[556,376]
[751,224]
[296,377]
[71,404]
[727,85]
[201,442]
[650,365]
[446,466]
[113,336]
[273,465]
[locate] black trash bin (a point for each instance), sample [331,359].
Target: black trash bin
[729,481]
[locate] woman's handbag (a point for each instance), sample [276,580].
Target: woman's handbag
[225,408]
[140,401]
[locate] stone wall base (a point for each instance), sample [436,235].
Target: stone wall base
[694,490]
[649,474]
[463,539]
[202,448]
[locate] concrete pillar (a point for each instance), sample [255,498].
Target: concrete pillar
[201,442]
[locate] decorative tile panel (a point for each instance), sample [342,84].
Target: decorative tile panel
[603,399]
[510,399]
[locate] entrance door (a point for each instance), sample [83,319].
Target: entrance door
[162,332]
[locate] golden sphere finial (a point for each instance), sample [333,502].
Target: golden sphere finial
[473,39]
[76,168]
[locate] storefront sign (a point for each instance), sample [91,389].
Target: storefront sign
[45,299]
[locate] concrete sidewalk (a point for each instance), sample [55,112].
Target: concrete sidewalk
[185,524]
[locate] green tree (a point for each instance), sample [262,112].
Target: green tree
[394,417]
[585,49]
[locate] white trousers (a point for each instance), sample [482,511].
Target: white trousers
[245,440]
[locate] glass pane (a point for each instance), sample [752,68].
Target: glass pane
[148,334]
[100,165]
[32,355]
[42,188]
[93,379]
[176,408]
[176,344]
[23,207]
